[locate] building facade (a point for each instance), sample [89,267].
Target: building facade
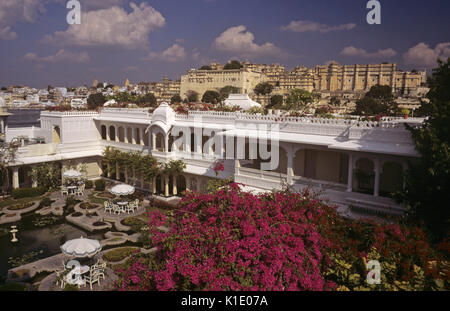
[352,163]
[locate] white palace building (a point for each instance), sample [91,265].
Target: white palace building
[353,163]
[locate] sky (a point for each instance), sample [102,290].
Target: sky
[147,40]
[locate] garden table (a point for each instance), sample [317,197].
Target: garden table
[81,270]
[122,203]
[72,188]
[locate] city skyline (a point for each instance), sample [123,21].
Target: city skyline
[146,40]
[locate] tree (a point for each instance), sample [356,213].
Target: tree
[276,102]
[47,175]
[205,67]
[263,88]
[192,96]
[428,180]
[100,85]
[379,100]
[8,155]
[227,90]
[234,64]
[299,99]
[4,88]
[176,99]
[148,100]
[95,100]
[211,97]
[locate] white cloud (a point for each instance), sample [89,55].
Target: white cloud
[61,56]
[240,42]
[357,52]
[423,55]
[112,27]
[14,11]
[173,54]
[305,26]
[90,5]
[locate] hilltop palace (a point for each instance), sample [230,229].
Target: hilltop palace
[352,163]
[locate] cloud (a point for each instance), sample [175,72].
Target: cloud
[240,42]
[90,5]
[305,26]
[173,54]
[357,52]
[14,11]
[423,55]
[61,56]
[112,27]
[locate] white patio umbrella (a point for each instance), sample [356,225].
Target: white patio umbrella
[81,247]
[122,189]
[72,174]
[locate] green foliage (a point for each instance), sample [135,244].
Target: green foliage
[227,90]
[192,96]
[299,99]
[100,185]
[8,154]
[89,184]
[28,192]
[276,102]
[95,100]
[211,97]
[428,179]
[234,64]
[71,201]
[46,202]
[46,175]
[255,110]
[119,254]
[173,167]
[263,88]
[205,67]
[405,112]
[175,99]
[148,100]
[335,102]
[379,100]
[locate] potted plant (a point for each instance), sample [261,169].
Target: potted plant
[405,113]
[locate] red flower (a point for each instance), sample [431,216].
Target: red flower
[219,167]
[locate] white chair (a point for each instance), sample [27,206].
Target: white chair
[80,190]
[108,207]
[64,190]
[99,269]
[130,208]
[136,203]
[93,278]
[116,209]
[122,209]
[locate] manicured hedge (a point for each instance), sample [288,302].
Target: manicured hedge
[100,185]
[28,192]
[89,184]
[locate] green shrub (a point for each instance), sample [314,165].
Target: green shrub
[119,254]
[46,202]
[28,192]
[100,185]
[89,184]
[71,201]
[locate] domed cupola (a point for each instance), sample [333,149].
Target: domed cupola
[164,117]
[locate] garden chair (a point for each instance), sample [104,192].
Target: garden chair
[108,207]
[80,190]
[60,278]
[136,203]
[122,209]
[99,268]
[93,278]
[130,208]
[64,190]
[116,209]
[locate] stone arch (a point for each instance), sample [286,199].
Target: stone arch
[160,142]
[364,176]
[56,135]
[181,184]
[137,132]
[121,134]
[391,178]
[129,134]
[103,132]
[112,133]
[282,162]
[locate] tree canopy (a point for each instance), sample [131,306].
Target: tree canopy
[264,88]
[205,67]
[428,180]
[176,99]
[299,99]
[211,97]
[192,96]
[379,100]
[227,90]
[276,102]
[95,100]
[234,64]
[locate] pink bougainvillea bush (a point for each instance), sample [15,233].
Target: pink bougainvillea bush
[234,240]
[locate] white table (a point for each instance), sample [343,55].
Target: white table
[122,203]
[81,270]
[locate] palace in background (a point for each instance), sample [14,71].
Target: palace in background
[342,81]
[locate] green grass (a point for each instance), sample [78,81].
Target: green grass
[119,254]
[95,200]
[11,201]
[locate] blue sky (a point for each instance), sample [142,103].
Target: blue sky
[145,40]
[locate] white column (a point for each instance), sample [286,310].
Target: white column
[108,170]
[175,190]
[350,173]
[154,185]
[188,185]
[290,169]
[15,178]
[166,143]
[126,135]
[166,186]
[141,136]
[116,132]
[133,136]
[153,141]
[108,138]
[376,187]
